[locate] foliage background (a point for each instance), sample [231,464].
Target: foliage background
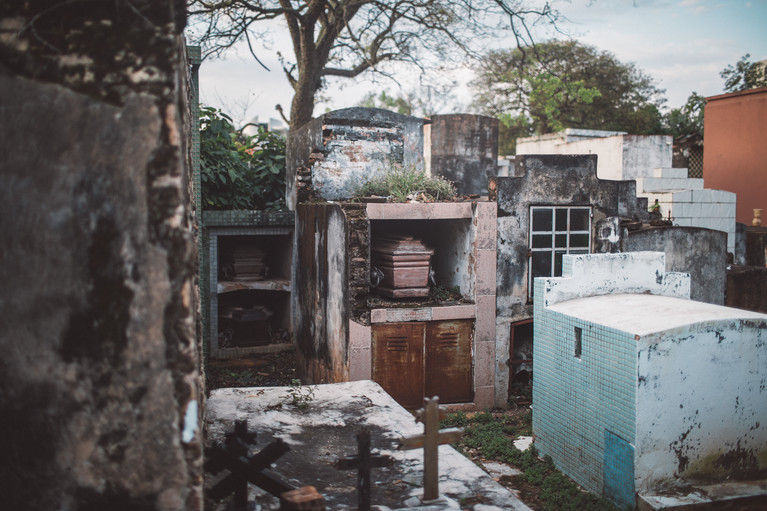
[239,171]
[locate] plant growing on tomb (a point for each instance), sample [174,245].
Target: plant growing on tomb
[405,183]
[443,293]
[300,395]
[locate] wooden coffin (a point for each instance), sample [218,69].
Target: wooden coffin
[404,262]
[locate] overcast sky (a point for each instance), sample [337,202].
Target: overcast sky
[682,44]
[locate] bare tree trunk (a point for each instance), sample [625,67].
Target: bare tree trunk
[308,83]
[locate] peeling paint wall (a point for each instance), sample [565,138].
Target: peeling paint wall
[605,274]
[702,404]
[664,390]
[100,384]
[463,148]
[556,180]
[333,154]
[320,294]
[700,252]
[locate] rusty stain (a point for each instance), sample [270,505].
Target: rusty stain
[355,153]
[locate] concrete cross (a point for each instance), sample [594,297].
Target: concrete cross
[363,462]
[431,439]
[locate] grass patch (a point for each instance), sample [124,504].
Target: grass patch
[401,184]
[490,436]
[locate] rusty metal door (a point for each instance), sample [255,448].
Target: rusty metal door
[398,351]
[448,360]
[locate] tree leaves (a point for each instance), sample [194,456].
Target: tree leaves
[565,84]
[237,171]
[345,38]
[744,75]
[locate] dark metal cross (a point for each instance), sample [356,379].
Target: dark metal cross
[363,462]
[431,439]
[243,468]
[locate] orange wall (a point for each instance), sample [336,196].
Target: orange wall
[735,148]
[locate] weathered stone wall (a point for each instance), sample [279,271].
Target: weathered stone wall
[463,148]
[621,156]
[100,387]
[756,246]
[551,180]
[331,155]
[700,252]
[320,294]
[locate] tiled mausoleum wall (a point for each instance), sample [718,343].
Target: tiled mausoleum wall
[579,398]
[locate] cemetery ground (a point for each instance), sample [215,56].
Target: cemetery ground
[488,438]
[258,370]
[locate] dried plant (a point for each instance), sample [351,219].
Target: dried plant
[403,184]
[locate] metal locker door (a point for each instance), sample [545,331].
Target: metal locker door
[448,360]
[398,361]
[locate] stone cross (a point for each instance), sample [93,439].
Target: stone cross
[363,462]
[431,439]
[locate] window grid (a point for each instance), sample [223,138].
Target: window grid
[554,231]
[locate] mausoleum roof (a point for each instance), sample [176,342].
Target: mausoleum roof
[643,314]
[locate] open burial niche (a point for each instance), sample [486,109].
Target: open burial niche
[410,258]
[253,290]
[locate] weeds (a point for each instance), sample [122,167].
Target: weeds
[402,184]
[490,436]
[444,293]
[300,396]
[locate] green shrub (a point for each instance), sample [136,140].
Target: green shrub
[236,171]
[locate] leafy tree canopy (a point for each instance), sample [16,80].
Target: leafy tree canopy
[565,84]
[744,75]
[345,38]
[688,119]
[238,171]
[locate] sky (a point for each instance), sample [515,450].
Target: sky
[681,44]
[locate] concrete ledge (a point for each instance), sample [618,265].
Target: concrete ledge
[741,496]
[671,172]
[418,210]
[453,312]
[423,314]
